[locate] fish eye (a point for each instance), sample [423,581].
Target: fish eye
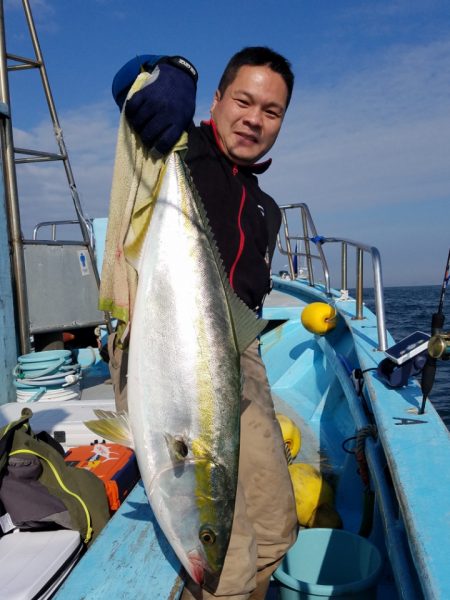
[207,536]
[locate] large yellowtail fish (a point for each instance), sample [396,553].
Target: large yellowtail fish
[184,382]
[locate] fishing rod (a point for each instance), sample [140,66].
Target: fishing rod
[439,344]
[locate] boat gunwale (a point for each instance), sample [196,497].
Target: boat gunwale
[425,529]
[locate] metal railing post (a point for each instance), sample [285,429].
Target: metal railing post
[379,298]
[11,201]
[288,244]
[309,227]
[344,266]
[359,283]
[307,248]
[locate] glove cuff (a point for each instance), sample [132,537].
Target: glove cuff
[181,63]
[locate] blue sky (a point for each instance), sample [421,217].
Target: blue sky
[366,140]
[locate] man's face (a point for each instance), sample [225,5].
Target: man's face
[249,114]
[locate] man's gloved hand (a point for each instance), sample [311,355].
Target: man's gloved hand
[162,110]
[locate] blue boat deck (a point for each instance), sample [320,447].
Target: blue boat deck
[130,559]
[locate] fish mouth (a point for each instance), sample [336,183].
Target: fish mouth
[209,580]
[196,566]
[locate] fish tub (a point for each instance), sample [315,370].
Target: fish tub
[329,563]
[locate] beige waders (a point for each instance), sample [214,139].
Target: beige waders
[118,367]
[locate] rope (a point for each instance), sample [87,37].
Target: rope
[359,451]
[363,470]
[360,454]
[47,376]
[287,451]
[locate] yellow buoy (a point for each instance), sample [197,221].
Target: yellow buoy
[314,497]
[291,434]
[319,317]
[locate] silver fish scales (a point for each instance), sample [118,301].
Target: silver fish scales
[184,379]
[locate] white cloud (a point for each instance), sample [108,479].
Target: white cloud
[380,135]
[90,138]
[370,155]
[42,10]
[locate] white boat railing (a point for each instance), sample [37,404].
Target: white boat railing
[55,226]
[291,246]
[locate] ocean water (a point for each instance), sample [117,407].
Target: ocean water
[410,309]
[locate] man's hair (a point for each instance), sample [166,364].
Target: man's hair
[258,56]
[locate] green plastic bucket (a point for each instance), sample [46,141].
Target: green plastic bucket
[329,563]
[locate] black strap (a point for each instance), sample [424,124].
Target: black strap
[181,63]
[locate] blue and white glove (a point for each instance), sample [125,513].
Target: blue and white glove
[162,110]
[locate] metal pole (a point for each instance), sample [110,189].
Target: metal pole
[359,283]
[326,273]
[344,267]
[11,201]
[307,248]
[288,244]
[379,299]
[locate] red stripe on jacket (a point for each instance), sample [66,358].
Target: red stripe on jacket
[241,237]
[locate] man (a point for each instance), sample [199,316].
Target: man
[247,113]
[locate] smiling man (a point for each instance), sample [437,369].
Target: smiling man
[223,153]
[248,112]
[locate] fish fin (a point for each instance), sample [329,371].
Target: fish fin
[106,414]
[112,426]
[246,325]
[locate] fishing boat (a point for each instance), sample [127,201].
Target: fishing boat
[329,384]
[364,422]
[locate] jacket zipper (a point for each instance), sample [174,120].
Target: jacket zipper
[62,485]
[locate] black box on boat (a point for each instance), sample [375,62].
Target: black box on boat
[114,464]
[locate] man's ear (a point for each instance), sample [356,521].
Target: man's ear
[216,99]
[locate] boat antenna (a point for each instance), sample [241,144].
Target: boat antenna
[437,324]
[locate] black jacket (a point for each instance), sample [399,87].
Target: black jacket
[244,220]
